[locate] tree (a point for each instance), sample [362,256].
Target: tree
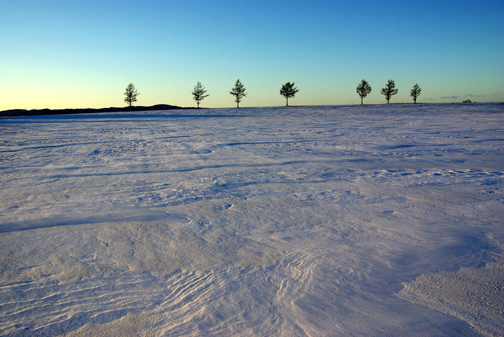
[415,92]
[131,94]
[363,89]
[239,92]
[199,93]
[389,90]
[288,90]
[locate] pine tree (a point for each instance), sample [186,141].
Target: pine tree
[389,90]
[363,89]
[288,90]
[199,93]
[131,94]
[415,92]
[239,92]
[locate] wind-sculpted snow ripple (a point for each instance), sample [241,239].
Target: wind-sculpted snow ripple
[250,301]
[49,309]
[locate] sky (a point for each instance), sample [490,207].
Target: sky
[83,53]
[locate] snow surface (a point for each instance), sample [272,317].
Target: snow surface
[308,221]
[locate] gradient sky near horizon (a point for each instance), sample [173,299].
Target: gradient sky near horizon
[82,54]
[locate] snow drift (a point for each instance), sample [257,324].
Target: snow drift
[313,221]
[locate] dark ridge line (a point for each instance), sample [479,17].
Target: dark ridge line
[36,112]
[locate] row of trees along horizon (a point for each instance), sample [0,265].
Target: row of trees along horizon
[288,90]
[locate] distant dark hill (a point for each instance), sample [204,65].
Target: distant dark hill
[21,112]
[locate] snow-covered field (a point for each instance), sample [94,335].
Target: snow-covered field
[312,221]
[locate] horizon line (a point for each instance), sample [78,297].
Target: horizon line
[175,107]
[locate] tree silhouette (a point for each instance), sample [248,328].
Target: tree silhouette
[288,90]
[199,93]
[363,89]
[415,92]
[239,92]
[389,90]
[131,94]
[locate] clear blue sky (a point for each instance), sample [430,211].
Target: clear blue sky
[83,53]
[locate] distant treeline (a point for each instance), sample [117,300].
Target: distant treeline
[35,112]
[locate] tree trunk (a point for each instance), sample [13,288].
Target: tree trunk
[287,102]
[361,99]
